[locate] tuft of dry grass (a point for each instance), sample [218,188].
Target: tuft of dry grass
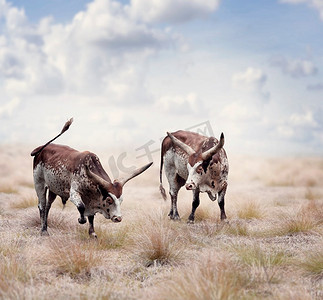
[250,210]
[32,219]
[112,238]
[254,255]
[312,263]
[295,293]
[8,189]
[11,245]
[12,268]
[236,228]
[72,258]
[311,195]
[98,289]
[25,202]
[208,229]
[57,220]
[214,276]
[281,182]
[309,217]
[306,172]
[148,256]
[14,274]
[155,242]
[15,270]
[25,183]
[262,265]
[204,212]
[296,224]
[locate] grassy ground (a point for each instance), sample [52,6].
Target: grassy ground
[271,246]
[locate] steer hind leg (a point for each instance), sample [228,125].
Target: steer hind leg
[174,186]
[50,200]
[195,204]
[77,201]
[41,194]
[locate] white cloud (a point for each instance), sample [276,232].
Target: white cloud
[4,7]
[183,105]
[90,55]
[302,120]
[171,10]
[129,72]
[299,126]
[251,79]
[296,68]
[315,87]
[316,4]
[8,108]
[242,111]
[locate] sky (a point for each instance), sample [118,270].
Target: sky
[129,71]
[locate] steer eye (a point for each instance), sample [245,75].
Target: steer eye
[110,200]
[199,169]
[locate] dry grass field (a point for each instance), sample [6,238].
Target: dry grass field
[271,246]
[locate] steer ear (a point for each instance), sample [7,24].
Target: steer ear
[135,173]
[207,154]
[181,145]
[98,180]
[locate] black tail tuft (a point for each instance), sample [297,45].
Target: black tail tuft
[67,125]
[40,149]
[162,191]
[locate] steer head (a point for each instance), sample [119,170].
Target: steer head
[207,167]
[112,192]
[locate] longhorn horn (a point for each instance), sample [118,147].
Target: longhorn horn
[135,173]
[207,154]
[98,180]
[181,145]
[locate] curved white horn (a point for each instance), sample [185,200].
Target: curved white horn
[135,173]
[207,154]
[98,180]
[181,145]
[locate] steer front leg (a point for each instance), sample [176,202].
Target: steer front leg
[221,201]
[91,228]
[77,201]
[173,213]
[195,204]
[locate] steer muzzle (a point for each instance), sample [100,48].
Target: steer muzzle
[190,186]
[116,219]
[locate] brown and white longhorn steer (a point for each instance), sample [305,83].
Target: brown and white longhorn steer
[198,161]
[80,177]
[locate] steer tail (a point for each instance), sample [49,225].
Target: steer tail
[66,127]
[161,188]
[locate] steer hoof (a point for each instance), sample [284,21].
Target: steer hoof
[93,235]
[223,216]
[173,215]
[189,221]
[44,233]
[82,220]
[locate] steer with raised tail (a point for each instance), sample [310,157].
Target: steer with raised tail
[80,177]
[198,162]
